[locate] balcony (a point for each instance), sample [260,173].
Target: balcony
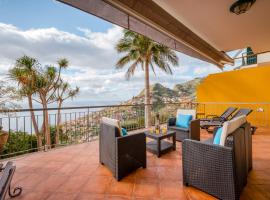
[72,169]
[74,172]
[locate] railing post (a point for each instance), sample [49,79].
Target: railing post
[88,129]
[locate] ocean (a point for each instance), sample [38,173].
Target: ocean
[21,121]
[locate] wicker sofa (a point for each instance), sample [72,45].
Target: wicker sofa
[121,153]
[219,170]
[193,132]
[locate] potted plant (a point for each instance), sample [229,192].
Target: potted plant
[3,138]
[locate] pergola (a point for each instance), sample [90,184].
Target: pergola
[204,30]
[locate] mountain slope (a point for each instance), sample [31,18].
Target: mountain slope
[158,90]
[187,89]
[180,92]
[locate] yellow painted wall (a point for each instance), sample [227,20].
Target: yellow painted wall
[248,87]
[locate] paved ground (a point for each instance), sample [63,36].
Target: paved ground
[74,173]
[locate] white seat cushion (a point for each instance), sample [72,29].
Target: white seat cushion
[112,122]
[187,112]
[230,126]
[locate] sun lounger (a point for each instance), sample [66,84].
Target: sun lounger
[223,117]
[214,123]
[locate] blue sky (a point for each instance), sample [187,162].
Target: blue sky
[49,30]
[28,14]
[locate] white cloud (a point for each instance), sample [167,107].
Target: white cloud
[204,70]
[92,60]
[103,40]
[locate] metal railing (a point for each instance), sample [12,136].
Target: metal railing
[82,124]
[78,124]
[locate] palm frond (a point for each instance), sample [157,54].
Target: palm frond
[63,63]
[139,48]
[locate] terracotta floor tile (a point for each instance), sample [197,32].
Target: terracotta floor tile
[62,196]
[18,176]
[73,184]
[148,198]
[102,170]
[97,185]
[170,173]
[74,172]
[149,172]
[67,169]
[147,188]
[85,170]
[26,169]
[31,180]
[151,161]
[88,196]
[171,190]
[30,195]
[121,188]
[194,194]
[165,162]
[109,197]
[51,183]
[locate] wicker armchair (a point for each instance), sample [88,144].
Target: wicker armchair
[219,170]
[193,132]
[121,153]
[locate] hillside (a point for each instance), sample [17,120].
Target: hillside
[180,92]
[187,89]
[158,90]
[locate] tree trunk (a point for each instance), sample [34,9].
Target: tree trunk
[35,125]
[58,123]
[147,113]
[46,127]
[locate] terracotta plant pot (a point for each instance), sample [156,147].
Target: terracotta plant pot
[3,140]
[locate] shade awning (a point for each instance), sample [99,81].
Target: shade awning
[149,19]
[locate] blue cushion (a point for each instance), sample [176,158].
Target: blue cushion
[124,132]
[217,136]
[183,121]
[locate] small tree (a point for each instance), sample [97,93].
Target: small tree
[40,83]
[25,73]
[8,96]
[48,79]
[63,92]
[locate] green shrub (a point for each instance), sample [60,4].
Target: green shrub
[20,142]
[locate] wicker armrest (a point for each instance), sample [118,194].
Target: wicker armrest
[171,121]
[209,167]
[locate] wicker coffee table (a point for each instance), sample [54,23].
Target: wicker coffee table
[159,145]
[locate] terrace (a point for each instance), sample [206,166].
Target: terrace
[74,172]
[72,169]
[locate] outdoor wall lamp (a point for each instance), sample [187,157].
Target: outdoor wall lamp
[241,6]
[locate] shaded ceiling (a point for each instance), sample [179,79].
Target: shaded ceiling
[213,22]
[150,19]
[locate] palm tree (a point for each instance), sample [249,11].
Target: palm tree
[24,73]
[142,51]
